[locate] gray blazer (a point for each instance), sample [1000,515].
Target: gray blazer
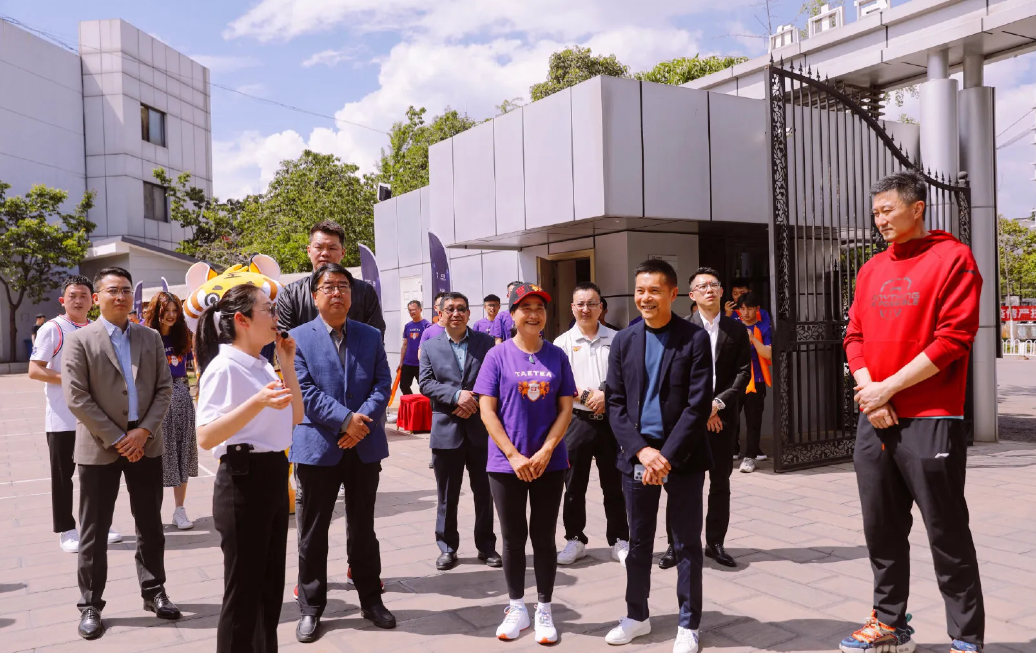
[95,390]
[440,378]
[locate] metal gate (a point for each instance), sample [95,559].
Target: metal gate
[828,145]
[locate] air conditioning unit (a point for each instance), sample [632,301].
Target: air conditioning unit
[827,19]
[867,7]
[784,36]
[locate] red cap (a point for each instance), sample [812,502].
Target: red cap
[528,290]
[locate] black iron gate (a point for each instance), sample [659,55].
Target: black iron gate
[827,150]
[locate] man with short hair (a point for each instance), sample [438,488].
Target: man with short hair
[738,288]
[587,345]
[491,304]
[409,364]
[761,339]
[911,327]
[438,323]
[41,319]
[504,323]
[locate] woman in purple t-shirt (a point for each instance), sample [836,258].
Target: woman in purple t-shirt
[526,390]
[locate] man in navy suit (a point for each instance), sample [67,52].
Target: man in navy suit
[345,382]
[659,394]
[450,363]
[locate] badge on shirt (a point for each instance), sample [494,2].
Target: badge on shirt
[577,348]
[533,390]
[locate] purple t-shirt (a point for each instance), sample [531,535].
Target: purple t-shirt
[527,394]
[502,325]
[412,334]
[430,332]
[483,326]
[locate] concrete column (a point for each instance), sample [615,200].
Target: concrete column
[940,150]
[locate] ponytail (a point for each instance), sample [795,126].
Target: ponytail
[207,337]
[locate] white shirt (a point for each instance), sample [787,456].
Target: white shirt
[712,328]
[589,358]
[50,340]
[231,379]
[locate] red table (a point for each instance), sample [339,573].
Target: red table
[415,413]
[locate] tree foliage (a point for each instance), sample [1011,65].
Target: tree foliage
[215,235]
[37,243]
[684,69]
[1017,258]
[573,65]
[404,166]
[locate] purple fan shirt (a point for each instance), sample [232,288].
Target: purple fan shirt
[484,325]
[412,333]
[430,332]
[502,325]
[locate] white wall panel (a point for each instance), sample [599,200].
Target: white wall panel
[588,149]
[610,258]
[408,228]
[676,146]
[498,270]
[385,245]
[390,291]
[509,158]
[466,275]
[426,218]
[474,185]
[623,150]
[739,157]
[548,160]
[440,176]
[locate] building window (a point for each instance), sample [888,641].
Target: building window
[152,125]
[156,206]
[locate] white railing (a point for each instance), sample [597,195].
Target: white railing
[1019,347]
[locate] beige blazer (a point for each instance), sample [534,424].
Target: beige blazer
[95,390]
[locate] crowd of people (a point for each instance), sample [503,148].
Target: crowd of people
[656,405]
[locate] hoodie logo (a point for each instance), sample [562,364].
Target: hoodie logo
[893,296]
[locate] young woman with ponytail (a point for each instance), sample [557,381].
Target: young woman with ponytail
[244,418]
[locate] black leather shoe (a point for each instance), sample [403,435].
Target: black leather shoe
[668,559]
[719,554]
[379,616]
[306,631]
[491,559]
[162,606]
[446,560]
[90,626]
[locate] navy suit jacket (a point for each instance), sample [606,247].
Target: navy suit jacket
[440,379]
[685,395]
[332,394]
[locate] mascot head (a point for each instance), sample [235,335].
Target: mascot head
[205,287]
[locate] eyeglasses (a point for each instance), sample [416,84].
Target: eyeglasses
[591,305]
[271,309]
[118,292]
[330,291]
[705,286]
[449,311]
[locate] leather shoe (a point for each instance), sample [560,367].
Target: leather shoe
[90,626]
[668,559]
[306,631]
[162,606]
[446,560]
[379,616]
[719,554]
[491,559]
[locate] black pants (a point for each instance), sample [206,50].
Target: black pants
[544,495]
[585,440]
[98,490]
[683,514]
[718,518]
[319,494]
[923,461]
[449,467]
[407,377]
[250,512]
[752,404]
[62,468]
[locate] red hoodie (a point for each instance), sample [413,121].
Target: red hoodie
[921,296]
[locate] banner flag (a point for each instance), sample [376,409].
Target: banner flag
[440,265]
[369,270]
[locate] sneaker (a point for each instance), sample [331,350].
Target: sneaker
[296,593]
[620,551]
[69,541]
[546,633]
[180,519]
[574,550]
[686,640]
[876,637]
[113,536]
[736,456]
[761,457]
[960,646]
[627,630]
[349,579]
[747,466]
[516,619]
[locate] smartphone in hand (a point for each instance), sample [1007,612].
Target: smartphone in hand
[638,474]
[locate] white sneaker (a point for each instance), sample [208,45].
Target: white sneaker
[546,633]
[574,550]
[686,640]
[180,519]
[761,457]
[516,619]
[620,551]
[69,541]
[113,536]
[627,630]
[747,466]
[736,456]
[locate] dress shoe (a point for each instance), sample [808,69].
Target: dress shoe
[491,559]
[162,606]
[668,559]
[379,616]
[446,560]
[719,554]
[306,631]
[90,626]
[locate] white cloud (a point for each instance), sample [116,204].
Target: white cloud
[259,89]
[225,64]
[332,58]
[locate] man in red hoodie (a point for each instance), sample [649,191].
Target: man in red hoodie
[910,331]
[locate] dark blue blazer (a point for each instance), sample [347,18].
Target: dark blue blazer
[331,395]
[685,395]
[440,379]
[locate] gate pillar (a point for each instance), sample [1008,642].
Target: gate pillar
[940,151]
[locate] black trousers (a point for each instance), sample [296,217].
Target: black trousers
[922,461]
[752,405]
[718,518]
[449,467]
[250,512]
[319,494]
[98,490]
[683,514]
[62,444]
[585,440]
[544,498]
[407,377]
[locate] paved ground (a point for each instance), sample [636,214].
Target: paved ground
[803,580]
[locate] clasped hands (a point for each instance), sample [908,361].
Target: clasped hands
[874,398]
[595,402]
[530,469]
[467,405]
[656,467]
[356,430]
[132,446]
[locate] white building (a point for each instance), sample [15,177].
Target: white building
[103,119]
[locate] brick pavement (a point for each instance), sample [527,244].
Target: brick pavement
[803,580]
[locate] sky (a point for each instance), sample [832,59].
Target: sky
[358,65]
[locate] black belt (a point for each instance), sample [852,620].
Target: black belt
[587,415]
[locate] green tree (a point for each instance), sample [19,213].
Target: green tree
[215,233]
[507,106]
[405,165]
[1017,258]
[682,70]
[37,243]
[574,65]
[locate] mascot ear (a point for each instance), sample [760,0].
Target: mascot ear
[197,275]
[266,266]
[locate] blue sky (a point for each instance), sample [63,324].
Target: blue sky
[365,61]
